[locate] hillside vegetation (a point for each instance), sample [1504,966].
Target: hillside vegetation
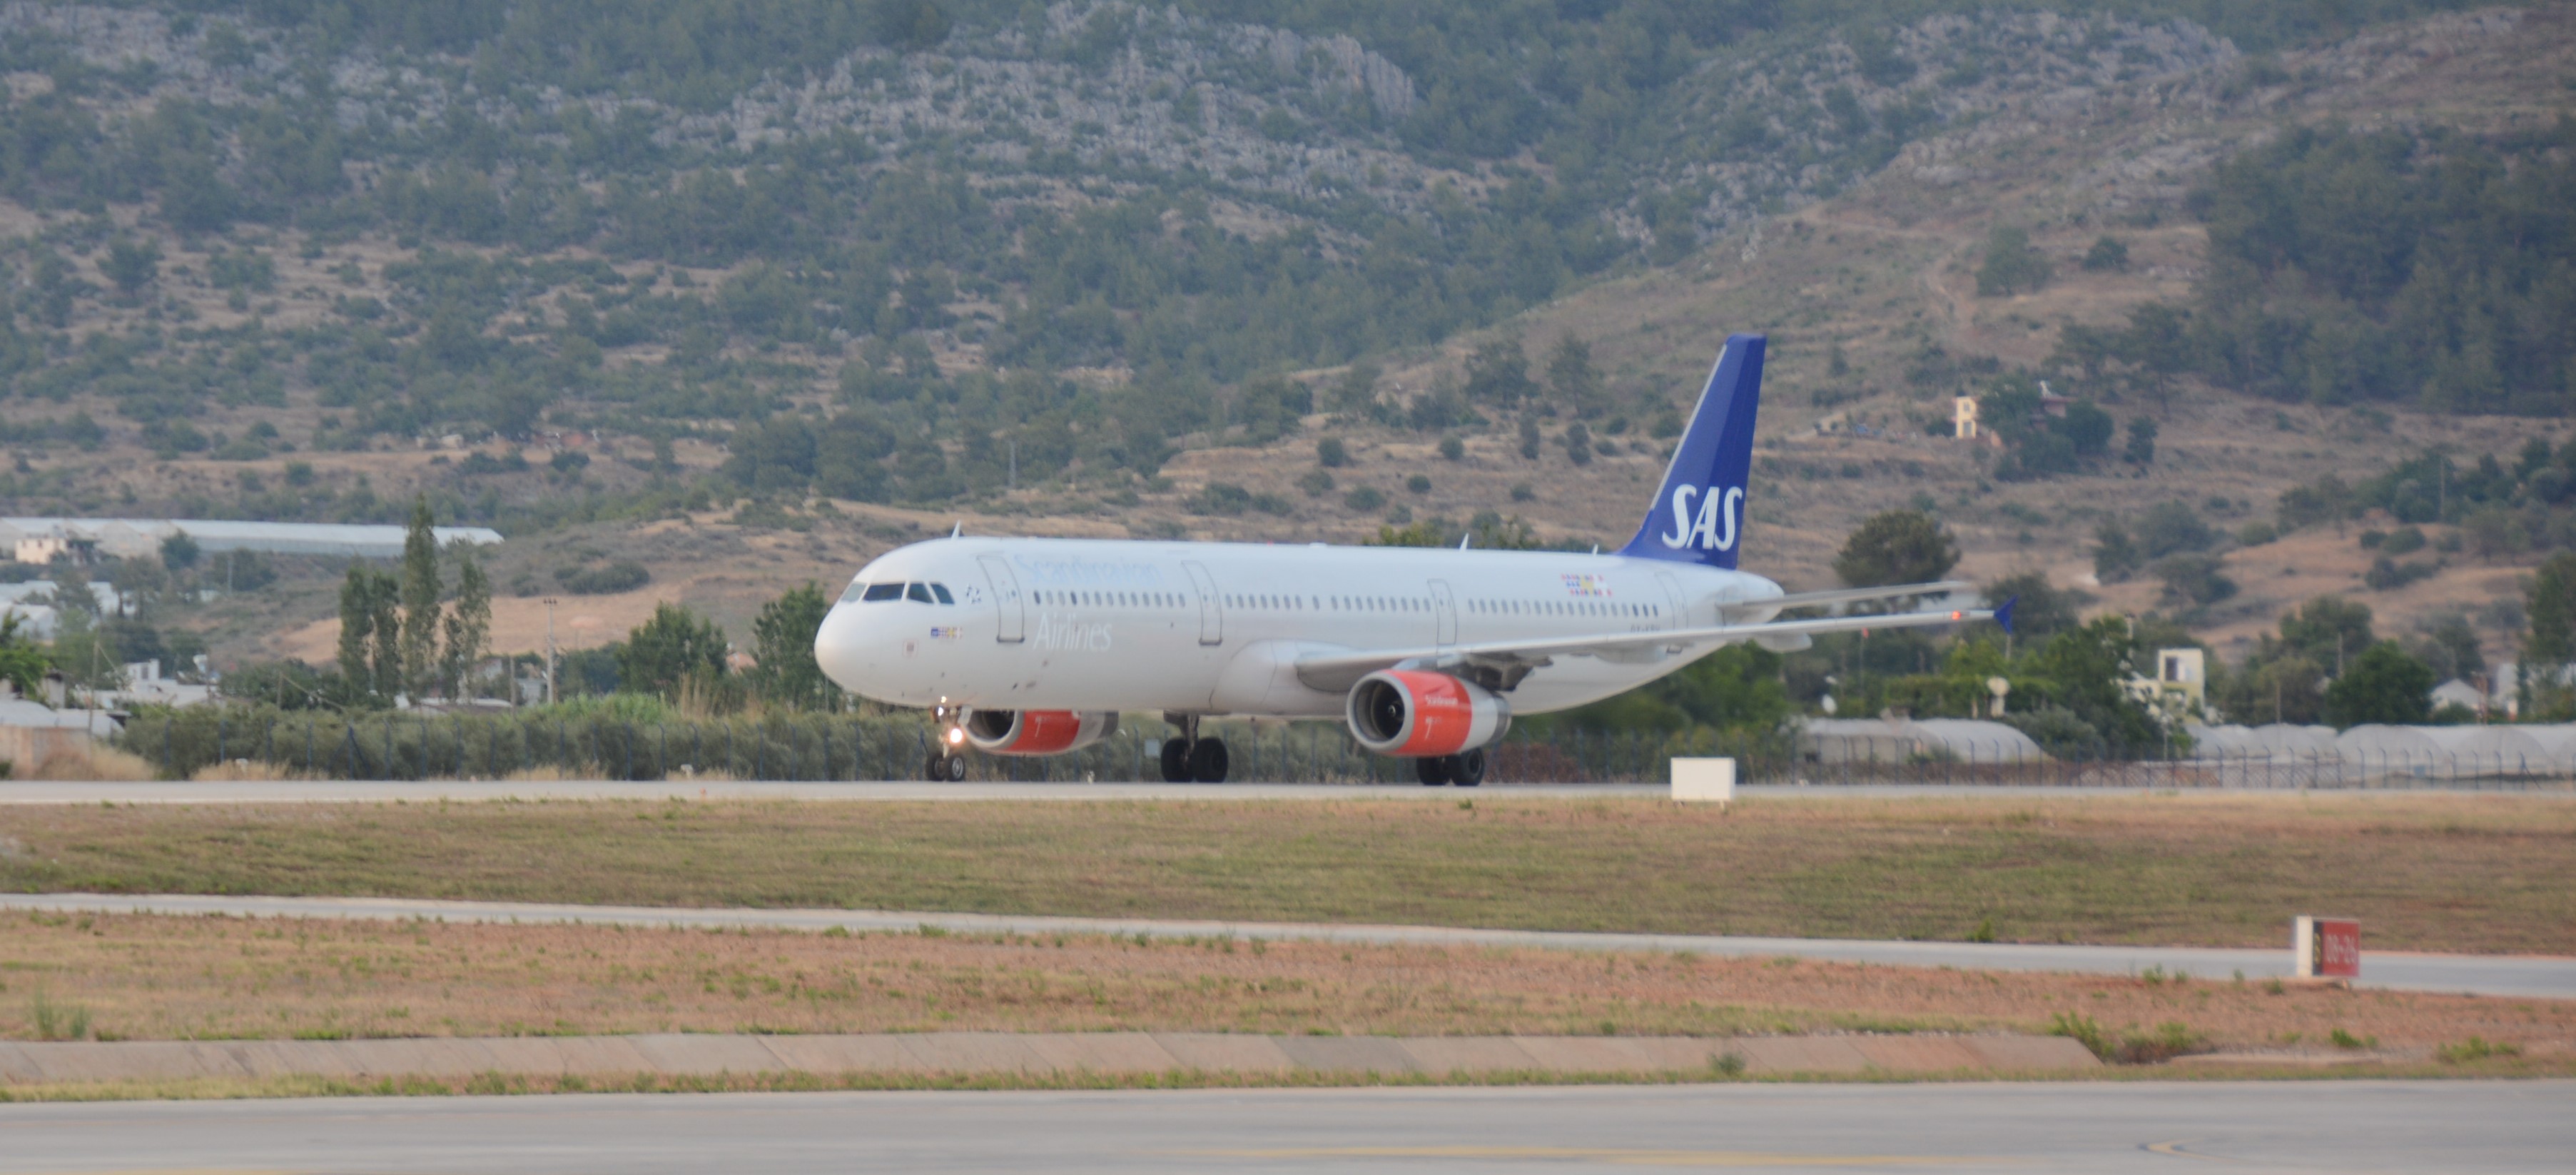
[677,277]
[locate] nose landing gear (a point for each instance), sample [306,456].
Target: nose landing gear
[1191,759]
[947,761]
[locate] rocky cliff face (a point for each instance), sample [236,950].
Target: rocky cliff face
[1305,123]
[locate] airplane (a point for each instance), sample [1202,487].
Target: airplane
[1034,646]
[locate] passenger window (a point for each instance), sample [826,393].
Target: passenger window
[879,593]
[918,593]
[941,590]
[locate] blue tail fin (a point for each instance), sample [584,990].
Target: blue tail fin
[1698,515]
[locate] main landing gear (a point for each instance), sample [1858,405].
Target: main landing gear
[1466,769]
[1191,759]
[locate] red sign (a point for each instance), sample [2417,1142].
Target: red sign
[2337,947]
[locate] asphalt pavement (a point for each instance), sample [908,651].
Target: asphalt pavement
[366,791]
[2493,975]
[2345,1126]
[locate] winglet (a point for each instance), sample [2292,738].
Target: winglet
[2003,614]
[1462,539]
[957,530]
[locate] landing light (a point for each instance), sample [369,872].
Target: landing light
[956,734]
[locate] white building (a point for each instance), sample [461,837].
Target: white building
[136,537]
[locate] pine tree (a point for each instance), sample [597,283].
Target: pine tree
[421,591]
[1571,378]
[370,643]
[386,597]
[469,627]
[357,625]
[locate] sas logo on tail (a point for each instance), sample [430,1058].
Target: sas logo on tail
[1712,528]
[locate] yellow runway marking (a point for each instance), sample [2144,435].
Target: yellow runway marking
[2174,1149]
[1621,1157]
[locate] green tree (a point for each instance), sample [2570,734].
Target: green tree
[2088,669]
[2041,609]
[2012,265]
[131,264]
[2115,554]
[2141,449]
[421,592]
[2328,630]
[1498,371]
[1571,380]
[370,642]
[469,627]
[673,647]
[2385,684]
[783,640]
[179,552]
[1897,547]
[2551,645]
[21,661]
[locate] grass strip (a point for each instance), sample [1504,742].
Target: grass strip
[2463,873]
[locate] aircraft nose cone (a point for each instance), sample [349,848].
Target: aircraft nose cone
[840,646]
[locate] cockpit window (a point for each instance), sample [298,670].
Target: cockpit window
[918,593]
[881,592]
[941,590]
[850,594]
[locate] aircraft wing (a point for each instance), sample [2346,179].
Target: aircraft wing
[1500,665]
[1839,596]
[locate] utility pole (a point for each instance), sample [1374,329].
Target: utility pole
[550,650]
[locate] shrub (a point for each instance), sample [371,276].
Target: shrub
[1331,453]
[2169,1040]
[624,575]
[1364,498]
[2082,1030]
[2475,1048]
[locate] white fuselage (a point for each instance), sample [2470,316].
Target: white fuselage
[1215,628]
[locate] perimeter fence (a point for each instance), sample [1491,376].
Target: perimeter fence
[817,747]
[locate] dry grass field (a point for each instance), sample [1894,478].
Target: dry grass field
[2450,872]
[151,977]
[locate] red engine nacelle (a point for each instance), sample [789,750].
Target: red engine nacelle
[1418,715]
[1038,732]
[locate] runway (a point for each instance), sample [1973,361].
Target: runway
[2493,975]
[2354,1126]
[461,791]
[431,791]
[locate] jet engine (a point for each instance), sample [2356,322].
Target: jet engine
[1038,732]
[1415,714]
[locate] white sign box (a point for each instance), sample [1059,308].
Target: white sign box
[1704,781]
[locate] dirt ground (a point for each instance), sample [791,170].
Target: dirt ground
[155,977]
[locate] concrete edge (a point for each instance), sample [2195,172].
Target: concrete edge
[1057,1053]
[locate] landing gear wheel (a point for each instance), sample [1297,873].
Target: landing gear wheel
[1207,760]
[945,769]
[1176,761]
[1434,771]
[1468,769]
